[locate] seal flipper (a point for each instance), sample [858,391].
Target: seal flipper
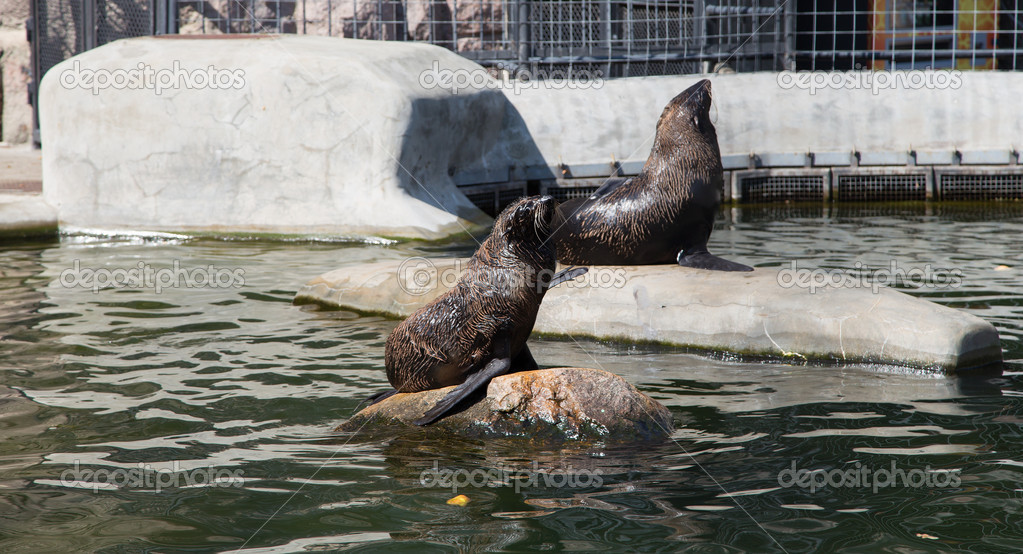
[566,274]
[496,367]
[702,259]
[378,397]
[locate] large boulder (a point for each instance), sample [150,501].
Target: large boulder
[302,135]
[758,314]
[556,404]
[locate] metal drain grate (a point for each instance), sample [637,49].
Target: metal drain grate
[563,193]
[764,187]
[888,186]
[494,198]
[979,185]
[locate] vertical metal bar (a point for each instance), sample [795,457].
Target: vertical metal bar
[789,58]
[88,40]
[523,31]
[700,28]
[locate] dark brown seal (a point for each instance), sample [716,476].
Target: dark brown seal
[478,329]
[666,213]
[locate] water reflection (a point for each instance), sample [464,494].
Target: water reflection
[239,379]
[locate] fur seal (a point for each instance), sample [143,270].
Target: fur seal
[478,329]
[666,213]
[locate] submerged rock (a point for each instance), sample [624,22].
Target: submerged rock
[561,403]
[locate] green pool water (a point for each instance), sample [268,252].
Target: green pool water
[210,408]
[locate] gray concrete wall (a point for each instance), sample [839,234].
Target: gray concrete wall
[753,113]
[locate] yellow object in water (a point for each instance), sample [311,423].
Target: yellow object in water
[460,500]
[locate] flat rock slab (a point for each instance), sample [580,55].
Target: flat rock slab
[547,404]
[749,314]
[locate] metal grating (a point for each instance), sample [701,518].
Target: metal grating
[782,188]
[562,193]
[973,185]
[877,186]
[491,199]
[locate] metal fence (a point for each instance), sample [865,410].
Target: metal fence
[907,34]
[618,38]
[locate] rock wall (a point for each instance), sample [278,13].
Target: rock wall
[15,73]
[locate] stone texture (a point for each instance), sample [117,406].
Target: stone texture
[26,216]
[15,74]
[327,136]
[562,403]
[749,314]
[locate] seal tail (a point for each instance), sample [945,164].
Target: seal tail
[495,368]
[706,260]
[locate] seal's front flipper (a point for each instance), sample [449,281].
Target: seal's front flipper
[566,274]
[496,367]
[706,260]
[378,397]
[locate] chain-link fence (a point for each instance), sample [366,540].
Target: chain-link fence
[617,38]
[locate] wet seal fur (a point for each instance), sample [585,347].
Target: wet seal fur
[478,329]
[666,213]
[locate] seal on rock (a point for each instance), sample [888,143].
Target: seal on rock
[478,329]
[666,213]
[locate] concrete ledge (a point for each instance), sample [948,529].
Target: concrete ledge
[748,314]
[549,404]
[754,114]
[26,216]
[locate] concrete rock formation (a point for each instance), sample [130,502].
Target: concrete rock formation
[750,314]
[318,136]
[547,404]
